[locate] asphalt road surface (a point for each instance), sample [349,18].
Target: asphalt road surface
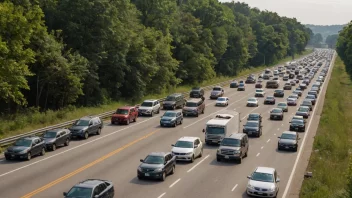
[115,154]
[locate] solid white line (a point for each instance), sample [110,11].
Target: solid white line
[234,187]
[78,146]
[198,164]
[162,195]
[305,136]
[268,141]
[262,147]
[174,183]
[258,154]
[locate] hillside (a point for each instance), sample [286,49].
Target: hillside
[325,30]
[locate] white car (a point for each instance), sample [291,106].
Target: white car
[222,101]
[149,107]
[264,180]
[252,102]
[259,93]
[188,149]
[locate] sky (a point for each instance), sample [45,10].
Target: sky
[317,12]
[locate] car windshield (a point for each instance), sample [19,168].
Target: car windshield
[231,142]
[150,104]
[252,124]
[303,109]
[269,98]
[80,192]
[262,177]
[306,103]
[290,99]
[281,105]
[122,111]
[259,90]
[221,99]
[295,121]
[288,136]
[252,100]
[253,117]
[216,89]
[292,96]
[278,91]
[310,97]
[215,130]
[23,142]
[191,104]
[169,114]
[276,111]
[82,123]
[184,144]
[152,159]
[50,134]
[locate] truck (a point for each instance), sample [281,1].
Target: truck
[221,126]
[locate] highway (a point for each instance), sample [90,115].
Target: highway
[115,155]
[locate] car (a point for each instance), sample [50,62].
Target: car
[303,111]
[279,93]
[172,102]
[287,86]
[56,137]
[319,80]
[171,118]
[25,148]
[253,128]
[157,165]
[288,141]
[217,92]
[291,75]
[86,126]
[283,106]
[252,102]
[293,83]
[314,93]
[254,117]
[241,87]
[306,81]
[297,118]
[312,98]
[263,178]
[150,107]
[250,79]
[303,86]
[194,107]
[293,96]
[307,103]
[196,92]
[125,115]
[188,148]
[270,100]
[315,89]
[297,81]
[285,78]
[297,125]
[259,93]
[297,92]
[266,77]
[276,114]
[291,102]
[92,188]
[259,84]
[222,101]
[272,84]
[234,84]
[233,147]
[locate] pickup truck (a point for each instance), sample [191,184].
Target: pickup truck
[125,115]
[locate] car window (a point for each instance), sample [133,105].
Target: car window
[50,134]
[196,142]
[63,133]
[37,141]
[97,191]
[167,158]
[79,192]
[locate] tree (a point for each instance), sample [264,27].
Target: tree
[331,40]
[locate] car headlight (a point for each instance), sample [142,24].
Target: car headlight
[190,153]
[81,131]
[250,186]
[272,188]
[139,168]
[173,120]
[158,170]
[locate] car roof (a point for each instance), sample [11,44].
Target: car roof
[55,130]
[236,135]
[195,100]
[126,107]
[151,100]
[173,111]
[256,114]
[276,109]
[159,153]
[306,107]
[223,97]
[188,138]
[268,170]
[29,138]
[252,98]
[282,103]
[289,132]
[259,90]
[253,121]
[88,117]
[89,183]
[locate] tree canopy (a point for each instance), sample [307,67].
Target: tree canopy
[56,53]
[344,46]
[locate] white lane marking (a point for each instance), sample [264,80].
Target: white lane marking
[212,113]
[78,146]
[282,124]
[234,187]
[274,133]
[262,147]
[198,164]
[224,96]
[258,154]
[304,139]
[249,113]
[174,183]
[278,128]
[268,141]
[162,195]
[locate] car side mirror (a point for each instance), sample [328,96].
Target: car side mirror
[195,146]
[278,180]
[141,160]
[278,137]
[65,193]
[249,177]
[203,130]
[90,124]
[172,145]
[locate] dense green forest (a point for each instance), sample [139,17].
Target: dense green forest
[325,30]
[56,53]
[344,47]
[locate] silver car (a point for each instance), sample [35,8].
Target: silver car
[264,182]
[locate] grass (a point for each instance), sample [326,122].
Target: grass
[331,150]
[20,123]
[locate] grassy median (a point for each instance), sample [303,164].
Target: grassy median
[330,157]
[17,124]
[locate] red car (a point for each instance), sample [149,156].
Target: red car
[125,115]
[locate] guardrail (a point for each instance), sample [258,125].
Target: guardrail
[7,141]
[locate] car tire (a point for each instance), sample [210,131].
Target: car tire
[175,124]
[192,159]
[139,177]
[152,114]
[218,159]
[67,142]
[99,130]
[7,158]
[158,111]
[201,153]
[42,153]
[163,177]
[203,111]
[240,160]
[86,135]
[173,170]
[174,107]
[128,122]
[54,147]
[135,119]
[181,121]
[197,114]
[296,148]
[29,156]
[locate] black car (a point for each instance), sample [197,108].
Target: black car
[86,126]
[298,125]
[250,80]
[269,100]
[253,128]
[254,117]
[25,148]
[92,188]
[276,114]
[288,141]
[234,84]
[279,93]
[56,137]
[196,92]
[291,76]
[156,166]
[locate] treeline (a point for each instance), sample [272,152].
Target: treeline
[344,46]
[56,53]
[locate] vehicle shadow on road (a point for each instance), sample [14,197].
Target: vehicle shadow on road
[224,163]
[13,161]
[244,195]
[211,147]
[183,163]
[145,182]
[285,151]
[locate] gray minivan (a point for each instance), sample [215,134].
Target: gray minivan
[173,101]
[233,147]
